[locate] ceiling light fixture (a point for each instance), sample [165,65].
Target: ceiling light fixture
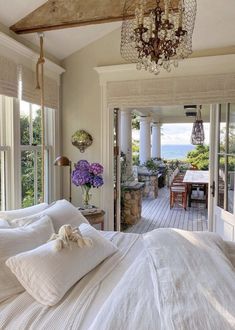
[191,110]
[159,35]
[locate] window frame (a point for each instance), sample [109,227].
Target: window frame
[10,149]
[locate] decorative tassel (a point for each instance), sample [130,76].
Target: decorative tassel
[66,235]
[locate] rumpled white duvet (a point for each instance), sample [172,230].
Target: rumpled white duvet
[166,279]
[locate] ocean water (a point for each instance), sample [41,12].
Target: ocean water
[176,151]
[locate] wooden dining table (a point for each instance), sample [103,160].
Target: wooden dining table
[200,180]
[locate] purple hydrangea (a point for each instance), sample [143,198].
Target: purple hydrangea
[85,174]
[97,181]
[96,168]
[82,165]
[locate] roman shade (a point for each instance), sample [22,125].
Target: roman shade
[20,81]
[8,77]
[32,95]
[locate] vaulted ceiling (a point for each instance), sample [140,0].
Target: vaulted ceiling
[214,28]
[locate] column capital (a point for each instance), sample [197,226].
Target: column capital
[145,119]
[156,124]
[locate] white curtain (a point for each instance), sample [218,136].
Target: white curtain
[8,77]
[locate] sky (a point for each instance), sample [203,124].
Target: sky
[178,133]
[181,133]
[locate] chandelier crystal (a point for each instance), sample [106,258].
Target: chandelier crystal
[160,33]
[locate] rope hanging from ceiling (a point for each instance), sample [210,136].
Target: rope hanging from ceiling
[198,135]
[40,86]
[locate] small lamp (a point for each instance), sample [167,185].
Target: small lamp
[64,161]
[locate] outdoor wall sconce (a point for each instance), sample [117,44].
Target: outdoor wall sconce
[82,140]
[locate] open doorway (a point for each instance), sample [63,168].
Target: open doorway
[156,150]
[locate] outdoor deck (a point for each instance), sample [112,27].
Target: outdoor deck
[156,213]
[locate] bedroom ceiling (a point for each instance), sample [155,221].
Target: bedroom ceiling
[214,29]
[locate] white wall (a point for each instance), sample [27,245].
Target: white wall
[81,101]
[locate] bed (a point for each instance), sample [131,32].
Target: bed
[165,279]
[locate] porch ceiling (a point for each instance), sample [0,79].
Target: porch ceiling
[172,114]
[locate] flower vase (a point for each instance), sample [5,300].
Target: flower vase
[86,197]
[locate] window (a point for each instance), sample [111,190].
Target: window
[4,150]
[31,152]
[226,158]
[21,153]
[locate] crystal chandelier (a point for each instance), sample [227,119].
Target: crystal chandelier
[160,33]
[198,135]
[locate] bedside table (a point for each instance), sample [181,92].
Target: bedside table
[94,216]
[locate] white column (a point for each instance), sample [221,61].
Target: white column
[145,139]
[156,140]
[126,138]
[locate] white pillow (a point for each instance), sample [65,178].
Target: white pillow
[61,212]
[20,213]
[4,224]
[50,274]
[17,240]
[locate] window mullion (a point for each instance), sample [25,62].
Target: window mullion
[30,125]
[35,177]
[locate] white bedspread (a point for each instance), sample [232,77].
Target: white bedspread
[167,279]
[191,286]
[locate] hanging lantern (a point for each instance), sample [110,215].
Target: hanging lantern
[198,135]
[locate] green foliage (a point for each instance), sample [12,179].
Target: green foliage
[28,159]
[135,122]
[135,147]
[199,157]
[151,165]
[136,160]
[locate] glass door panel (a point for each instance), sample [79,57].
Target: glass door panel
[231,129]
[226,158]
[231,184]
[221,182]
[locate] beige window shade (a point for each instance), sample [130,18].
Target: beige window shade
[8,77]
[32,95]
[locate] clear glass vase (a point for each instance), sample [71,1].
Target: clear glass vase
[86,197]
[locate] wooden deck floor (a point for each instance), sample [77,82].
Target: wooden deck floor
[156,213]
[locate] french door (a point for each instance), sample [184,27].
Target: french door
[224,201]
[117,171]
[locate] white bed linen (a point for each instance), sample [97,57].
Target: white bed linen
[192,280]
[130,290]
[80,305]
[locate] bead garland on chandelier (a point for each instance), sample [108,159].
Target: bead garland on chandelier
[159,35]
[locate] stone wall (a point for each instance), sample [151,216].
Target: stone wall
[151,185]
[131,205]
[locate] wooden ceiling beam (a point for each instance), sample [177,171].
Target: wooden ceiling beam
[61,14]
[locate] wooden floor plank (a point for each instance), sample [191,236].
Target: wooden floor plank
[156,213]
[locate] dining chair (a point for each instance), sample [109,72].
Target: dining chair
[178,193]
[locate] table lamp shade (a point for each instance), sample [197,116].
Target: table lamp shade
[64,161]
